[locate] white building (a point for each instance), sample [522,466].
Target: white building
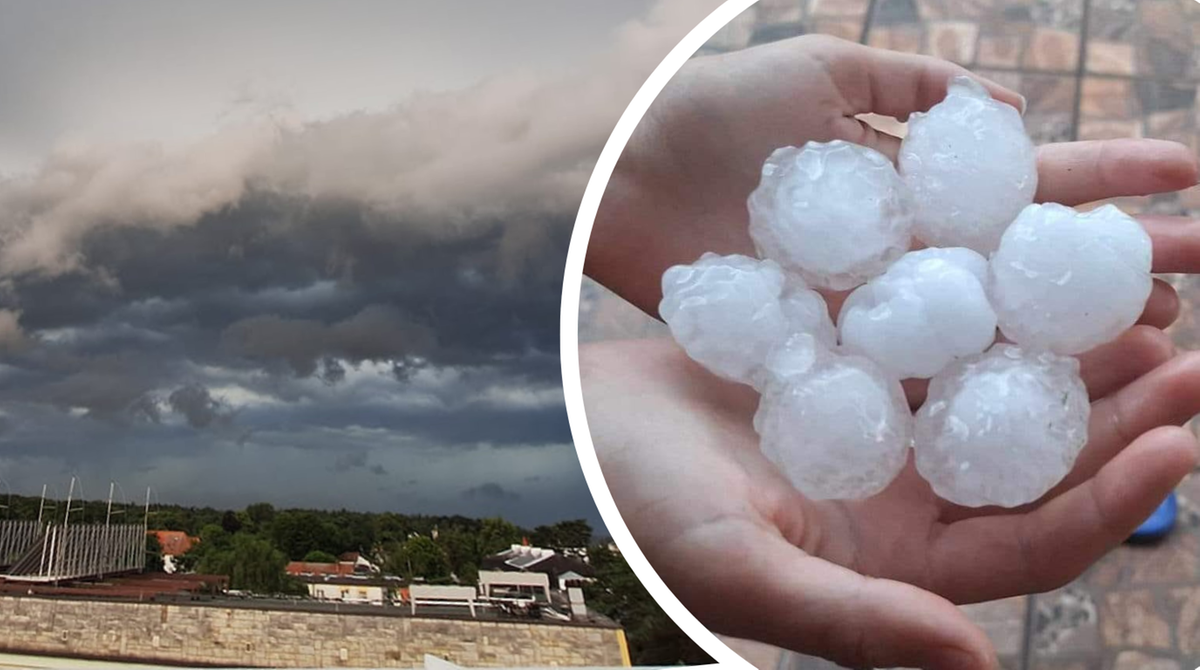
[353,590]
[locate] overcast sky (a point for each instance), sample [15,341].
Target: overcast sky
[302,252]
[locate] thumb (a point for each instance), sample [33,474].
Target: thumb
[780,595]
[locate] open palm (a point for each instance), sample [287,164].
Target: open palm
[867,582]
[750,556]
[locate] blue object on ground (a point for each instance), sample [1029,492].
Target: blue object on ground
[1159,523]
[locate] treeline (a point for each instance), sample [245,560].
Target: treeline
[252,546]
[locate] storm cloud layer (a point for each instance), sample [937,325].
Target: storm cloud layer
[360,311]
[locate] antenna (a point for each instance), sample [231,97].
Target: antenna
[146,521]
[108,513]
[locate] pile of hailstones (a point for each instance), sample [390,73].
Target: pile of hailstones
[1004,419]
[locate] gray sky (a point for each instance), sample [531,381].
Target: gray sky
[302,252]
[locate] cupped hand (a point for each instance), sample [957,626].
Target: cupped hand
[868,583]
[681,184]
[873,582]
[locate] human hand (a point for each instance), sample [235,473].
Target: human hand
[681,185]
[868,582]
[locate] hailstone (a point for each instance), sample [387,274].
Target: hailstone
[928,309]
[1003,427]
[1068,281]
[836,426]
[971,168]
[727,312]
[836,213]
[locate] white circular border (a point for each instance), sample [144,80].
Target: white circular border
[569,344]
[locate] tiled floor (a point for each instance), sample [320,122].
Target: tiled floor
[1090,69]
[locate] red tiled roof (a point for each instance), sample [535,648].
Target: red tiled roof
[174,542]
[296,568]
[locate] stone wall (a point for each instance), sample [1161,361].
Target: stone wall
[217,635]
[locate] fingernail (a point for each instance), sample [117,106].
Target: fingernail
[1024,104]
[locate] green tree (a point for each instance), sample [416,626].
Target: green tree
[564,535]
[318,556]
[496,535]
[419,556]
[154,555]
[230,522]
[461,552]
[297,532]
[617,593]
[260,516]
[251,563]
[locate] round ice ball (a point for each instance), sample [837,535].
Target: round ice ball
[970,166]
[1068,281]
[727,312]
[1003,427]
[928,309]
[836,426]
[836,213]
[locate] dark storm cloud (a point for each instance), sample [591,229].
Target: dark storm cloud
[378,332]
[195,403]
[490,492]
[374,293]
[345,462]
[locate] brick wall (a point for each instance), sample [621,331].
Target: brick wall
[213,635]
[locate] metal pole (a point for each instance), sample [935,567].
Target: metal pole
[70,494]
[108,514]
[42,505]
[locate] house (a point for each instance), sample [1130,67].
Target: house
[354,590]
[360,563]
[173,543]
[563,571]
[310,569]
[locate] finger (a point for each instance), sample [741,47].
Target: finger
[1073,173]
[815,607]
[1167,395]
[1176,242]
[1162,307]
[898,84]
[996,556]
[1110,367]
[862,133]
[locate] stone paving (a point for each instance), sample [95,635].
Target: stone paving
[1090,69]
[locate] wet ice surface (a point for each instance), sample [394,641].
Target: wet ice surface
[1067,281]
[836,213]
[1002,423]
[971,168]
[728,311]
[1002,428]
[836,426]
[928,309]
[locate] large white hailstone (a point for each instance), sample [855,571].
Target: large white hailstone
[727,312]
[928,309]
[836,213]
[1067,281]
[836,426]
[970,166]
[1002,428]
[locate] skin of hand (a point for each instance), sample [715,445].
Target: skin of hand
[868,583]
